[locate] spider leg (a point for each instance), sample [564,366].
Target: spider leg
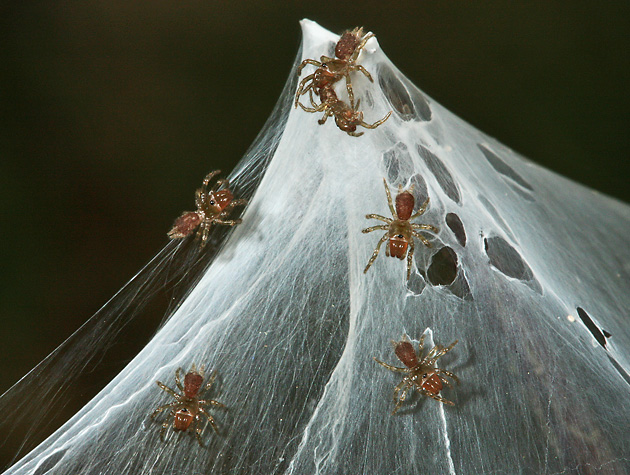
[442,351]
[379,217]
[309,109]
[229,222]
[219,183]
[164,387]
[437,398]
[401,398]
[349,89]
[389,200]
[396,369]
[161,408]
[211,402]
[375,124]
[178,380]
[421,346]
[428,227]
[198,432]
[319,107]
[228,209]
[360,46]
[433,355]
[443,379]
[327,114]
[308,61]
[420,210]
[209,177]
[205,231]
[383,227]
[447,373]
[424,240]
[200,198]
[210,419]
[301,90]
[358,67]
[409,258]
[211,380]
[378,248]
[355,134]
[165,426]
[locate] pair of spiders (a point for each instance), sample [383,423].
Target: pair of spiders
[214,205]
[420,374]
[330,71]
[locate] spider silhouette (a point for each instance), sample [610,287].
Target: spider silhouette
[212,207]
[400,229]
[420,374]
[347,118]
[187,407]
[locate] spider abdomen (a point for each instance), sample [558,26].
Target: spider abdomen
[192,384]
[347,44]
[404,205]
[406,353]
[185,224]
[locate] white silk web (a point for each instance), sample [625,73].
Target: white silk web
[530,272]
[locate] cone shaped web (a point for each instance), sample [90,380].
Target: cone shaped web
[529,271]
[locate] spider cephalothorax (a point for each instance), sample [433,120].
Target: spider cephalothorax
[212,207]
[420,373]
[400,229]
[187,406]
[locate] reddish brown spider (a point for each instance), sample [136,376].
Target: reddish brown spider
[187,406]
[331,70]
[347,118]
[212,207]
[400,231]
[420,375]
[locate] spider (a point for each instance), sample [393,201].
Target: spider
[420,375]
[212,207]
[400,231]
[331,70]
[347,118]
[187,406]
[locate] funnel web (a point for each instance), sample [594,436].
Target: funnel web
[529,271]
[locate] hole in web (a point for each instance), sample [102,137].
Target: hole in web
[420,192]
[620,369]
[503,168]
[49,463]
[443,267]
[507,259]
[597,333]
[496,216]
[415,284]
[441,173]
[396,93]
[455,224]
[423,110]
[398,164]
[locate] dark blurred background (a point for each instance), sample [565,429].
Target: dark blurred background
[113,111]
